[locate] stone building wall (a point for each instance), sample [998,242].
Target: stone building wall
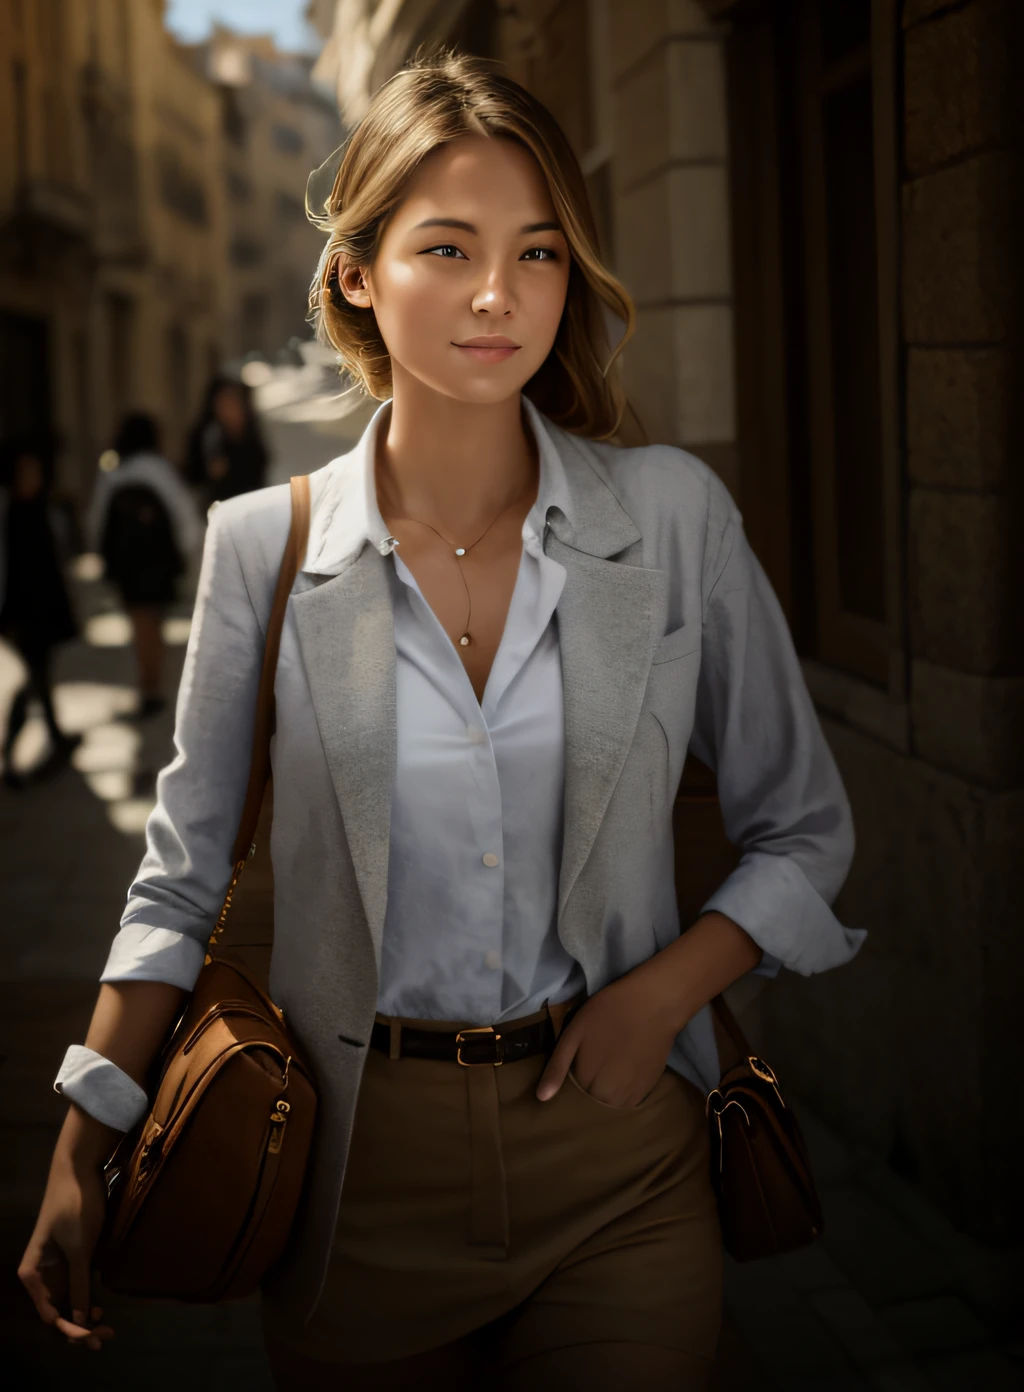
[911,1049]
[670,167]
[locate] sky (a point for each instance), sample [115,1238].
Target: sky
[190,20]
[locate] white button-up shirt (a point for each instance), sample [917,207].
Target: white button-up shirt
[476,811]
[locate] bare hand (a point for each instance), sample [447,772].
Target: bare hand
[56,1267]
[617,1043]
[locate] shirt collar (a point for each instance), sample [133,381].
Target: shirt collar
[346,510]
[575,497]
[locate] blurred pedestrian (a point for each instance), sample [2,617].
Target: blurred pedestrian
[226,453]
[35,611]
[144,523]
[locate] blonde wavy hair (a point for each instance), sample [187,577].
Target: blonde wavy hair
[436,98]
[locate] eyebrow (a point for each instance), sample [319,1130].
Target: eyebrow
[468,226]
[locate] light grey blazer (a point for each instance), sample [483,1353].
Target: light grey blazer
[671,638]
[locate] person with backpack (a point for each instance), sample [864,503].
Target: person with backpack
[144,523]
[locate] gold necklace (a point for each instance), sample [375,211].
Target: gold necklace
[461,551]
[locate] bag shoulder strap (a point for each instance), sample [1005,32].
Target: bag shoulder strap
[263,728]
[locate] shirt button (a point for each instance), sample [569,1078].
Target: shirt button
[492,958]
[474,734]
[490,859]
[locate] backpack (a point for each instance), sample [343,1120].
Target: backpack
[138,538]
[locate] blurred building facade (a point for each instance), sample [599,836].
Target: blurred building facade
[817,208]
[151,217]
[276,127]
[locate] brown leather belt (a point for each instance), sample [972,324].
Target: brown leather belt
[486,1045]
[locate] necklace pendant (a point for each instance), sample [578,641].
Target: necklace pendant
[460,550]
[464,641]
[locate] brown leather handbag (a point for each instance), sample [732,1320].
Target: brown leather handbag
[201,1194]
[760,1171]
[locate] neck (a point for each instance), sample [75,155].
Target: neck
[451,463]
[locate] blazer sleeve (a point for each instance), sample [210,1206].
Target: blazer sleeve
[177,894]
[782,799]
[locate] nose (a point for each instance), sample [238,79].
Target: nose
[493,295]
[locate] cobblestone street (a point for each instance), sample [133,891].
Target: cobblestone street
[892,1298]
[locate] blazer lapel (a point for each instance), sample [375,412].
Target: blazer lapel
[608,619]
[610,616]
[346,636]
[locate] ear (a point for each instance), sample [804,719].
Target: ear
[352,284]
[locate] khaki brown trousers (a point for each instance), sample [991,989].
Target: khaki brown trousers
[483,1233]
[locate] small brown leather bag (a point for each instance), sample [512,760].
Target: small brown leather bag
[201,1194]
[767,1202]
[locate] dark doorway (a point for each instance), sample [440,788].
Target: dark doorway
[25,397]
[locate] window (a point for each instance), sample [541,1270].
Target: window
[233,119]
[843,358]
[238,186]
[812,94]
[180,189]
[287,139]
[244,252]
[288,209]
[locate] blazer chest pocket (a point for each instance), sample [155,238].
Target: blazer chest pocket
[677,644]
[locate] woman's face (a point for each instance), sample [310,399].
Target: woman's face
[472,252]
[229,410]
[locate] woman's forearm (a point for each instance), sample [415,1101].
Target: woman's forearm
[712,954]
[130,1022]
[128,1026]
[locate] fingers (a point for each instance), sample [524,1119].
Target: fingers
[79,1335]
[54,1282]
[80,1329]
[80,1332]
[40,1296]
[560,1062]
[81,1280]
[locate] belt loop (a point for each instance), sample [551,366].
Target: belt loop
[396,1040]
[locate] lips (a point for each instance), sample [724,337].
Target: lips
[489,348]
[488,341]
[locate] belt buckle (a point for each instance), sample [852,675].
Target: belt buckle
[499,1047]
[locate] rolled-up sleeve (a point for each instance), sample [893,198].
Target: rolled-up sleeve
[782,799]
[177,894]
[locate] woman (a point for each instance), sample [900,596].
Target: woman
[226,453]
[35,612]
[144,523]
[505,634]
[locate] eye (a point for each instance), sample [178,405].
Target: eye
[547,253]
[447,251]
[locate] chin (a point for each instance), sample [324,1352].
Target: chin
[478,392]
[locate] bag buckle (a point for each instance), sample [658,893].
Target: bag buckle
[499,1047]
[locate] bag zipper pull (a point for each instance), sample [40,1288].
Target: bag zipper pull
[278,1121]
